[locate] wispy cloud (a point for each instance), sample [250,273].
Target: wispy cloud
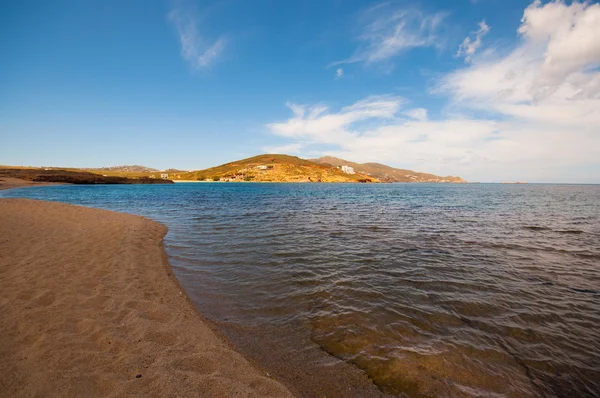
[470,45]
[196,49]
[317,125]
[387,30]
[339,73]
[417,114]
[541,103]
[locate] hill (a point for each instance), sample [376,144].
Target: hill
[386,173]
[73,177]
[127,169]
[275,168]
[262,168]
[174,171]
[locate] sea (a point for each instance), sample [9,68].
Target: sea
[414,290]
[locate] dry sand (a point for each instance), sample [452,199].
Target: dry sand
[89,307]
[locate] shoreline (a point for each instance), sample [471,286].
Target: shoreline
[90,306]
[11,183]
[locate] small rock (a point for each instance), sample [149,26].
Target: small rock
[137,376]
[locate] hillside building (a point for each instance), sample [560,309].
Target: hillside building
[348,169]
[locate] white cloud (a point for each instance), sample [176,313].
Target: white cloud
[417,114]
[196,49]
[315,124]
[559,51]
[387,31]
[339,73]
[556,61]
[469,46]
[570,36]
[534,112]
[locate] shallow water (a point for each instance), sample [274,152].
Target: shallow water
[432,290]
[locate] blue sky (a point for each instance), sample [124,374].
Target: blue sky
[490,90]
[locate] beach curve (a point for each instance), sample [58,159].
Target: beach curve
[89,306]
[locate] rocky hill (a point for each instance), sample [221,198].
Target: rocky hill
[127,169]
[276,168]
[386,173]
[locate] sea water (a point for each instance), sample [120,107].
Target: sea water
[430,289]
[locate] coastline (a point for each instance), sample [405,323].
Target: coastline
[90,307]
[10,183]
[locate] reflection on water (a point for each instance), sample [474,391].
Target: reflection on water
[432,290]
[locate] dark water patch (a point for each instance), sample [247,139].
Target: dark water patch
[570,231]
[537,228]
[586,291]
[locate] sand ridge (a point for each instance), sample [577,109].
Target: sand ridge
[90,307]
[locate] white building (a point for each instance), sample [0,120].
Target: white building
[261,167]
[348,169]
[164,175]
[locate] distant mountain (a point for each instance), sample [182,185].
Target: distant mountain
[276,168]
[127,169]
[386,173]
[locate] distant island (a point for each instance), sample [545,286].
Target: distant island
[261,168]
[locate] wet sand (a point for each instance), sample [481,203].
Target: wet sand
[89,307]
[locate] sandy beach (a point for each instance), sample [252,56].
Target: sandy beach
[89,307]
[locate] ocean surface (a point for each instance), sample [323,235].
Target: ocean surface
[429,290]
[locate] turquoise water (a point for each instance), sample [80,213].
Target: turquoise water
[432,290]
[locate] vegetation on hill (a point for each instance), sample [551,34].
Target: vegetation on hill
[120,172]
[386,173]
[275,168]
[74,177]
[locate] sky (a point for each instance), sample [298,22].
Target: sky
[489,90]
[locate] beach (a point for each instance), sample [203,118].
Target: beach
[89,306]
